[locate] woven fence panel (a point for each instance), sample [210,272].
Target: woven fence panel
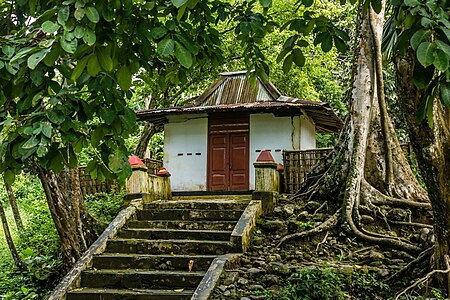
[92,186]
[298,163]
[152,165]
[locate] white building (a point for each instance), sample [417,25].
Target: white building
[211,145]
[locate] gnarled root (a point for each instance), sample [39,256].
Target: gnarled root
[327,225]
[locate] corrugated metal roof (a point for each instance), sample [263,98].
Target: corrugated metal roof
[233,92]
[235,87]
[321,113]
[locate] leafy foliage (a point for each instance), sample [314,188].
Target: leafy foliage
[104,206]
[424,28]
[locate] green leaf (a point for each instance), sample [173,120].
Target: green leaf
[79,13]
[108,115]
[47,129]
[92,14]
[89,37]
[56,116]
[108,14]
[445,93]
[425,53]
[124,77]
[93,66]
[376,5]
[51,57]
[265,3]
[79,32]
[36,58]
[299,58]
[412,2]
[165,47]
[341,46]
[179,3]
[9,176]
[287,64]
[31,143]
[308,3]
[327,43]
[183,56]
[104,58]
[418,37]
[63,15]
[50,27]
[69,46]
[8,50]
[97,136]
[158,32]
[42,151]
[441,60]
[79,68]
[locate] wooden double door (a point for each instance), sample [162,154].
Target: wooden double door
[228,153]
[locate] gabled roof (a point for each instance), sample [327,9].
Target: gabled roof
[232,92]
[235,87]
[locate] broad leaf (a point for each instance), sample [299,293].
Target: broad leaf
[50,27]
[299,58]
[418,37]
[183,56]
[89,37]
[104,58]
[10,177]
[376,5]
[425,53]
[287,64]
[165,47]
[327,43]
[92,14]
[63,15]
[124,77]
[93,66]
[265,3]
[179,3]
[445,93]
[79,32]
[69,47]
[79,68]
[36,58]
[441,60]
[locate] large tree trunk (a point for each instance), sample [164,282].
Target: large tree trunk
[75,227]
[369,168]
[147,133]
[432,148]
[12,248]
[14,207]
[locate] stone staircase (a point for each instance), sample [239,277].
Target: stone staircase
[163,253]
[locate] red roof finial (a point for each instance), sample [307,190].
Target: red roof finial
[265,156]
[163,172]
[135,161]
[280,168]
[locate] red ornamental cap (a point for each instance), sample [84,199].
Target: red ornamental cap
[135,161]
[265,156]
[280,167]
[163,172]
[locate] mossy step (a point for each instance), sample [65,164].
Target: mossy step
[146,261]
[199,204]
[141,279]
[186,224]
[142,246]
[128,294]
[157,233]
[189,214]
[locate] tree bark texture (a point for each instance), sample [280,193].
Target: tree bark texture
[432,148]
[147,133]
[14,207]
[369,167]
[12,248]
[75,227]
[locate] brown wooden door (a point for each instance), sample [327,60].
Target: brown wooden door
[228,154]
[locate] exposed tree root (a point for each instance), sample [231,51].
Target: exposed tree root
[327,225]
[425,278]
[424,256]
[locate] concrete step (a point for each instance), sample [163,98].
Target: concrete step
[134,294]
[174,224]
[189,214]
[142,246]
[140,279]
[179,234]
[157,262]
[199,204]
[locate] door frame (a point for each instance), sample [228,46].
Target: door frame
[227,124]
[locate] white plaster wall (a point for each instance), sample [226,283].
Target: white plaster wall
[185,153]
[308,134]
[268,132]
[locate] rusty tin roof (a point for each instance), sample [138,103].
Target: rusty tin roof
[232,92]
